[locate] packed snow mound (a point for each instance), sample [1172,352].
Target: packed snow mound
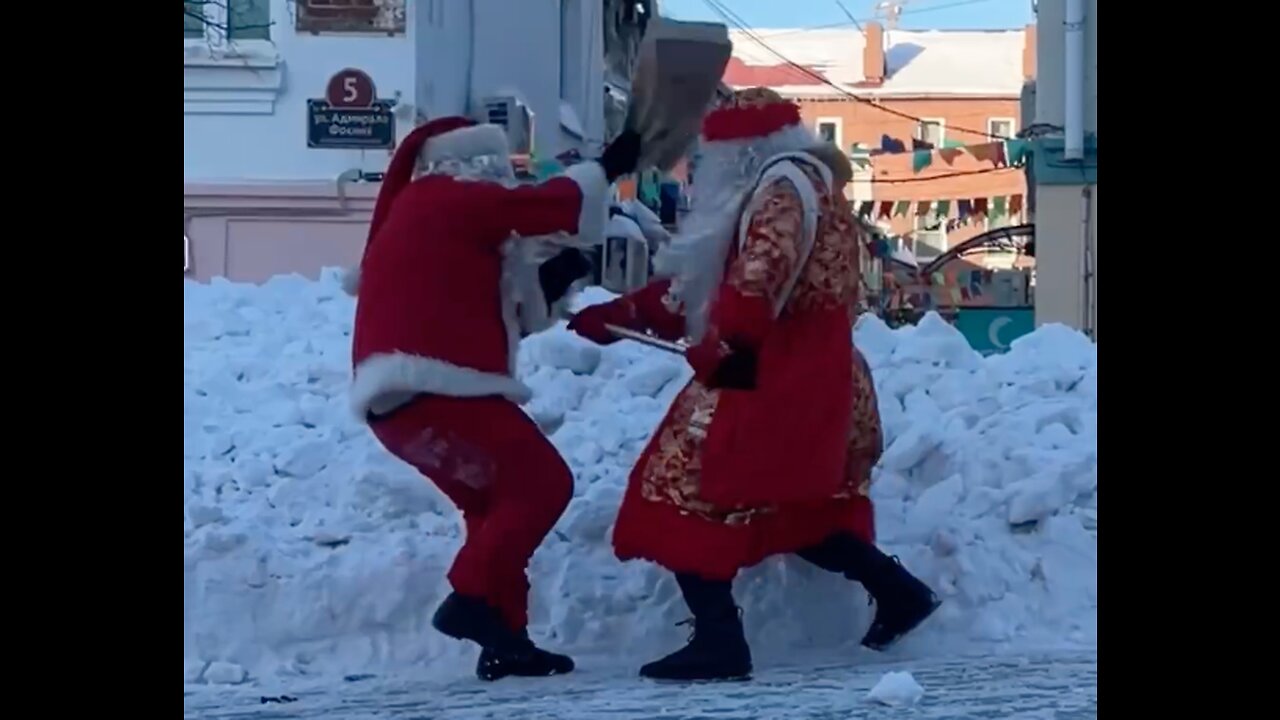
[308,549]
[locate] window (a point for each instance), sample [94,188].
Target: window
[932,131]
[1001,127]
[829,129]
[930,237]
[220,21]
[360,16]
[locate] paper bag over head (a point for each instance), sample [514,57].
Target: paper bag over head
[673,86]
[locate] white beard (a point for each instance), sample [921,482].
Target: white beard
[726,174]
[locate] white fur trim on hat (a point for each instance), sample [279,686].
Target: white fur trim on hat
[467,143]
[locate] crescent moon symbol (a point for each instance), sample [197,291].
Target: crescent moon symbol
[993,331]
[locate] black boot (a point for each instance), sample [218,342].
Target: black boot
[523,660]
[717,649]
[902,600]
[503,651]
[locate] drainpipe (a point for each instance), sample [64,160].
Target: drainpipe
[1073,145]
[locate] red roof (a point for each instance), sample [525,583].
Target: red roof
[740,74]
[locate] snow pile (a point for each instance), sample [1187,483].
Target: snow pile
[308,549]
[896,689]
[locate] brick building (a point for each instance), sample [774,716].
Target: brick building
[963,86]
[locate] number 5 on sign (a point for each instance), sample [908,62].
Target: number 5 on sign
[350,88]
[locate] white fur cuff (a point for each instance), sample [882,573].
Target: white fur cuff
[591,180]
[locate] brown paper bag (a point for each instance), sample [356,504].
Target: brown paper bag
[674,82]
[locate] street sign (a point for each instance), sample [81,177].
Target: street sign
[350,117]
[990,330]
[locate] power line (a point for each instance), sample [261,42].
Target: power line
[944,176]
[857,23]
[737,21]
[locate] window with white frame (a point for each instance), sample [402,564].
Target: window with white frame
[829,130]
[932,131]
[1001,127]
[225,21]
[930,235]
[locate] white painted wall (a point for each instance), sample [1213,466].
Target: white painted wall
[245,117]
[1051,51]
[1061,289]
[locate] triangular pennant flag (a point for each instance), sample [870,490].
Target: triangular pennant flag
[965,208]
[891,144]
[964,293]
[921,159]
[1015,206]
[998,205]
[864,208]
[1016,151]
[886,209]
[923,208]
[902,208]
[949,155]
[985,151]
[979,206]
[944,208]
[939,279]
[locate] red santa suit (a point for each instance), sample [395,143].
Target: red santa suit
[447,287]
[767,262]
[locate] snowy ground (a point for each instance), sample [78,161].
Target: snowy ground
[310,554]
[1061,686]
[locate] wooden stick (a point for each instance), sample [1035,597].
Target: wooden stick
[651,341]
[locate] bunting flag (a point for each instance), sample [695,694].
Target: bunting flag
[952,213]
[1000,153]
[955,211]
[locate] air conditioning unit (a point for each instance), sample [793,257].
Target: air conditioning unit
[514,117]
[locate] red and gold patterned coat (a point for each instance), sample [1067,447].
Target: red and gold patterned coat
[733,476]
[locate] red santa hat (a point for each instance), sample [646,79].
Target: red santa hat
[453,137]
[750,115]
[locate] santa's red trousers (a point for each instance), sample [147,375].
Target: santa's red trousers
[496,466]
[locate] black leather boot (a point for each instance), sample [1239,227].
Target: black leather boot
[523,660]
[717,649]
[902,600]
[503,652]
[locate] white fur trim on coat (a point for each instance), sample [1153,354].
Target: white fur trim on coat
[385,381]
[595,200]
[466,143]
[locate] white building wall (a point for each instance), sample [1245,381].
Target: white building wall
[1051,52]
[1065,292]
[245,118]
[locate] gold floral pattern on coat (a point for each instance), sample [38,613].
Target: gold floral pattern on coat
[829,279]
[769,255]
[673,471]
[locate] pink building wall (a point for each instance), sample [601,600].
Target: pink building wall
[249,232]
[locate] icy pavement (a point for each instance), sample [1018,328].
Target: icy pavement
[1059,686]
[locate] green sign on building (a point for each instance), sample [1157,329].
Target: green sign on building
[991,330]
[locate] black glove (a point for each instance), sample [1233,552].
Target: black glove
[558,273]
[621,156]
[737,371]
